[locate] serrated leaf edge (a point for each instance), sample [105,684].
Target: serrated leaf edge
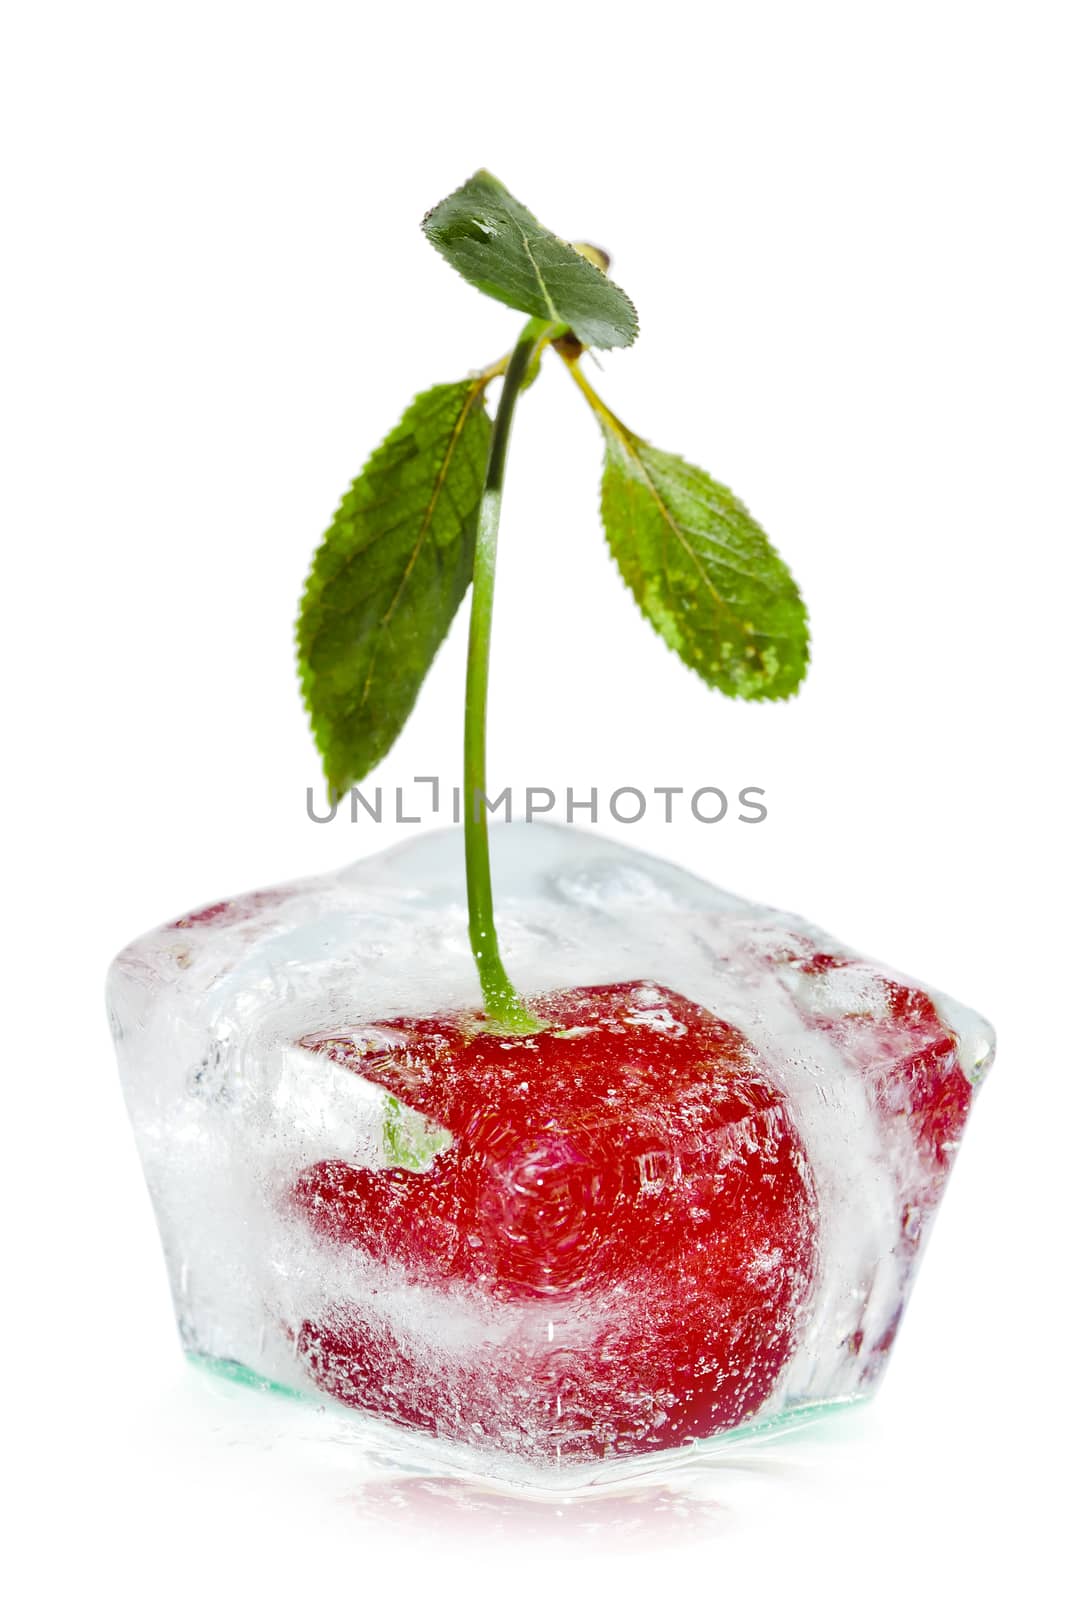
[730,690]
[477,387]
[612,428]
[483,172]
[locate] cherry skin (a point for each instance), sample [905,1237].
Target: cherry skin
[624,1223]
[891,1036]
[907,1055]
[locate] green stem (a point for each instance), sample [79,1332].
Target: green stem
[599,406]
[502,1003]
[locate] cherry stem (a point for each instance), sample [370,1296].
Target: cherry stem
[502,1002]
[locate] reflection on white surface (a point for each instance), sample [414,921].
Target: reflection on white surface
[361,1482]
[450,1506]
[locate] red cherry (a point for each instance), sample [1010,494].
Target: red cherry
[892,1035]
[896,1039]
[626,1188]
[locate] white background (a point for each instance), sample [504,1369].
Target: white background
[840,224]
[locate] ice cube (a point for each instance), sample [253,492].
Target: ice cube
[693,1203]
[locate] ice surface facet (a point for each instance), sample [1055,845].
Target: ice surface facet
[693,1202]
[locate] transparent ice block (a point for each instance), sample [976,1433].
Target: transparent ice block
[692,1206]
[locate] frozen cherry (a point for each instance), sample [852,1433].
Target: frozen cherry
[614,1250]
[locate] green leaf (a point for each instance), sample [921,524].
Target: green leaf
[499,247]
[702,571]
[388,577]
[411,1140]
